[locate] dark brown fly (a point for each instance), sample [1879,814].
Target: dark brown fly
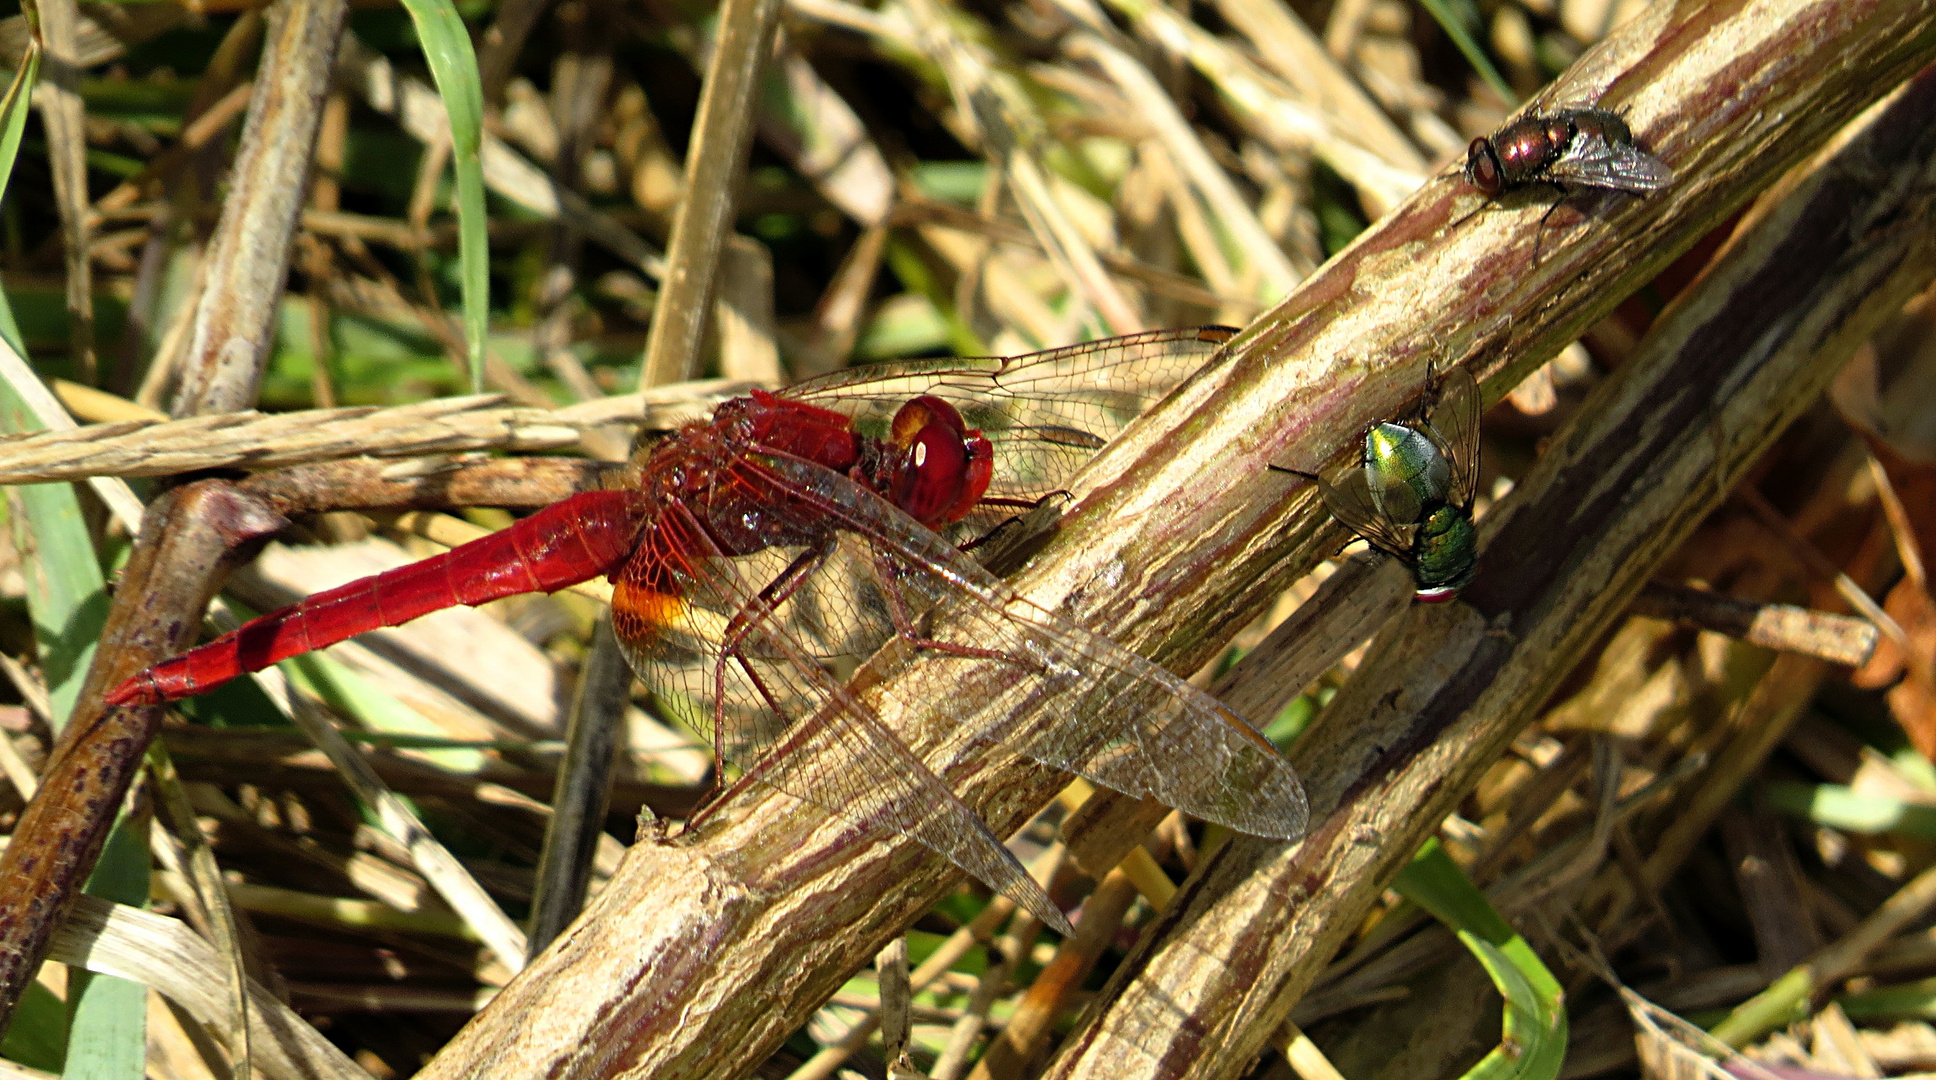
[1584,146]
[1566,148]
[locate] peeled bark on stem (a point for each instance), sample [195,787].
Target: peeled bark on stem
[701,956]
[1839,639]
[367,484]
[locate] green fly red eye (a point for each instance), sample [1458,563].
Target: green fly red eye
[944,467]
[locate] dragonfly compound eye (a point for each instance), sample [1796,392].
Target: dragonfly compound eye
[944,467]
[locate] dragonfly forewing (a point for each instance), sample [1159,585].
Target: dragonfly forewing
[993,668]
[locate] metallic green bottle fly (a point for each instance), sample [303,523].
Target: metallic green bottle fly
[1411,494]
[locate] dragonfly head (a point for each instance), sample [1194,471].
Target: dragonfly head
[939,468]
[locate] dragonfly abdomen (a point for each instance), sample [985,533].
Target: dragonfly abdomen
[571,541]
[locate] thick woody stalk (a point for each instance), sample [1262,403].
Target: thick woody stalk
[183,549]
[701,956]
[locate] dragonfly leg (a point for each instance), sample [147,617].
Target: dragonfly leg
[777,592]
[1025,505]
[904,622]
[732,651]
[715,796]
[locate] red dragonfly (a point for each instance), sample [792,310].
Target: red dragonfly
[796,534]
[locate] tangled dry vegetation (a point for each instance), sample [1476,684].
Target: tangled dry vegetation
[1666,767]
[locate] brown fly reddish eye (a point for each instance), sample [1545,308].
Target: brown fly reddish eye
[1482,167]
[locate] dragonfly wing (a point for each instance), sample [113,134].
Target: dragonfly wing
[1045,413]
[1455,427]
[1042,686]
[703,632]
[1348,496]
[1593,161]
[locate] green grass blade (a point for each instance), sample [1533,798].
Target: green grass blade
[108,1016]
[1460,31]
[13,121]
[453,64]
[1533,1034]
[1904,1001]
[38,1035]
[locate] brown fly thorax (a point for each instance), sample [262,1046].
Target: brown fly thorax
[1527,146]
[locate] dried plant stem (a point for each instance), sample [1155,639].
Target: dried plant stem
[65,116]
[1195,537]
[479,912]
[518,483]
[249,255]
[256,440]
[251,440]
[170,576]
[583,793]
[977,932]
[1839,639]
[163,953]
[1023,1039]
[714,164]
[205,876]
[1790,997]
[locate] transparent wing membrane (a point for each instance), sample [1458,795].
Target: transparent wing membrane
[814,667]
[779,713]
[1045,413]
[1349,498]
[1455,427]
[1593,161]
[1096,708]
